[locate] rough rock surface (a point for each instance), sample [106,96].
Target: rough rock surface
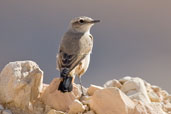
[136,85]
[103,102]
[6,112]
[113,83]
[76,107]
[23,92]
[92,89]
[20,83]
[55,112]
[56,99]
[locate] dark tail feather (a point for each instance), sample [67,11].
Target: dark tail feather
[66,84]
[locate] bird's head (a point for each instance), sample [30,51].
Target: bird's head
[82,24]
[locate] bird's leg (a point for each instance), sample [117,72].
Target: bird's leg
[79,78]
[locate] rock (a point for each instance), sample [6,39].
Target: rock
[165,95]
[167,107]
[90,112]
[57,99]
[155,88]
[125,79]
[136,85]
[44,88]
[76,107]
[6,112]
[111,101]
[113,83]
[55,112]
[85,100]
[39,107]
[92,89]
[22,92]
[155,108]
[1,107]
[153,97]
[140,108]
[80,91]
[147,108]
[20,83]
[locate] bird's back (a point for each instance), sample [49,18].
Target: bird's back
[76,43]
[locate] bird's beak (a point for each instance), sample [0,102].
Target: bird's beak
[95,21]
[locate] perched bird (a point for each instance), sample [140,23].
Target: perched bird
[74,53]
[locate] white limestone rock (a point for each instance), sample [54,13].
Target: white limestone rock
[52,111]
[85,100]
[1,107]
[22,92]
[76,107]
[113,83]
[6,112]
[125,79]
[20,83]
[58,100]
[111,101]
[90,112]
[137,89]
[92,89]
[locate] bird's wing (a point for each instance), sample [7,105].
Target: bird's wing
[69,61]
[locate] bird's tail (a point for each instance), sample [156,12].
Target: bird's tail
[66,83]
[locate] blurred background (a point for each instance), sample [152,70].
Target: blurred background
[133,38]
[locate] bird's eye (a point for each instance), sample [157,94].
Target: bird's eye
[81,21]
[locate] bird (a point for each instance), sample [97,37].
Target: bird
[73,56]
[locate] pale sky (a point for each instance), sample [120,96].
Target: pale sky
[133,38]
